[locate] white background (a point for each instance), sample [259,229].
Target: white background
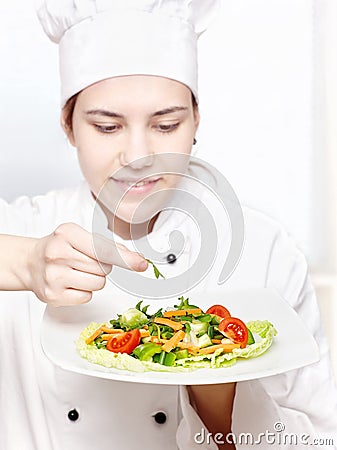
[268,98]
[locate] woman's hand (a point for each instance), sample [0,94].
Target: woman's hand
[63,268]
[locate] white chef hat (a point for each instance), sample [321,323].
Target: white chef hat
[99,39]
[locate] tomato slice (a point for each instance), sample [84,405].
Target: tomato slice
[219,310]
[124,342]
[235,330]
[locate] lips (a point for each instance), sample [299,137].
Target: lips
[134,186]
[136,183]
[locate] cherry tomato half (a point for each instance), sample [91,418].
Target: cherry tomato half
[218,310]
[235,330]
[124,342]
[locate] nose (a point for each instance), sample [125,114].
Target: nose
[137,153]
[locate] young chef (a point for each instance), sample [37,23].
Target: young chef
[128,73]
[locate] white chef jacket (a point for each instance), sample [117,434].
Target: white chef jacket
[36,396]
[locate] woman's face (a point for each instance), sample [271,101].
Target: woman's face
[120,128]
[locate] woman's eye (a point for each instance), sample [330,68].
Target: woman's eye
[107,128]
[166,128]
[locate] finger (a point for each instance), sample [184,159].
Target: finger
[83,281]
[79,261]
[110,252]
[92,266]
[74,297]
[101,248]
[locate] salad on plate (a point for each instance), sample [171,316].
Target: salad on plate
[182,338]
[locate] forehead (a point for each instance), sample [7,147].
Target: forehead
[126,92]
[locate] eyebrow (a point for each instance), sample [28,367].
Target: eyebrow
[106,113]
[103,112]
[172,109]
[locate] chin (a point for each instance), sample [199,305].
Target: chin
[135,215]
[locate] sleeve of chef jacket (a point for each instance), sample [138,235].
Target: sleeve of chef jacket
[304,400]
[16,217]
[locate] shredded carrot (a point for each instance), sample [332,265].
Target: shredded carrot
[175,312]
[182,312]
[94,335]
[106,337]
[193,311]
[112,330]
[216,341]
[194,351]
[144,333]
[212,348]
[189,346]
[175,339]
[186,345]
[170,323]
[146,327]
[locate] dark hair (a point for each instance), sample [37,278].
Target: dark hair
[69,111]
[194,101]
[71,102]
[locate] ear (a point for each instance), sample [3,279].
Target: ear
[66,128]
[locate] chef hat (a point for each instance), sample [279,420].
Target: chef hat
[99,39]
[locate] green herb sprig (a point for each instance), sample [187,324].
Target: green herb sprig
[157,274]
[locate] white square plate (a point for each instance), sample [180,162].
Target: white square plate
[293,347]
